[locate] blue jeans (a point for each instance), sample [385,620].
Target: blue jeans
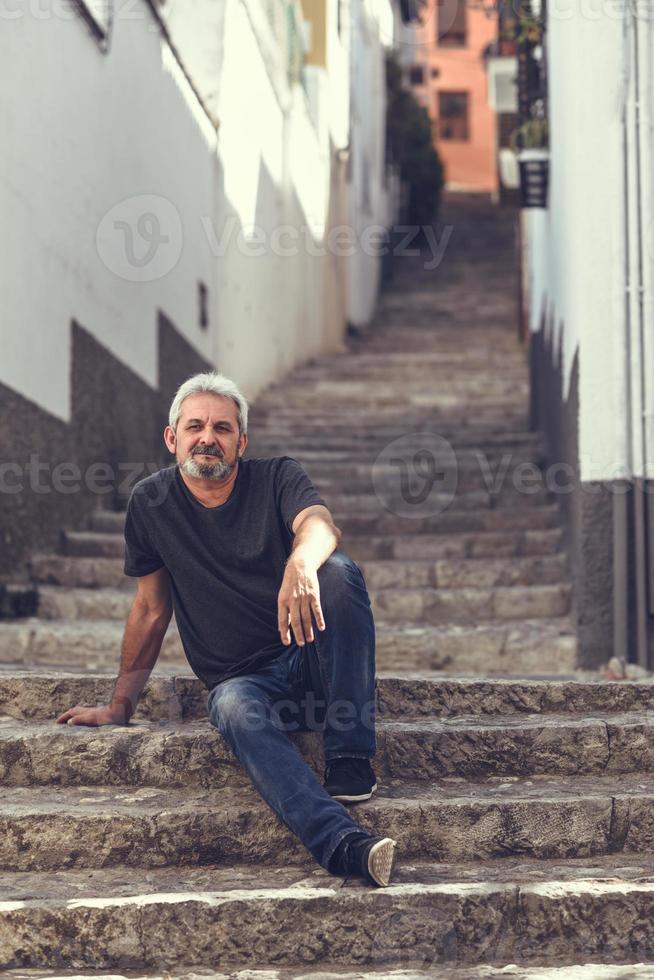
[328,685]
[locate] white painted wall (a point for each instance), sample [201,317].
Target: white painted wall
[249,211]
[371,197]
[575,249]
[280,290]
[82,132]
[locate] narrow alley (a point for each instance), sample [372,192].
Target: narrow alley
[516,788]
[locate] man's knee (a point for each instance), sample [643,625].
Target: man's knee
[339,571]
[236,708]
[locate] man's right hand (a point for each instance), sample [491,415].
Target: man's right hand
[102,715]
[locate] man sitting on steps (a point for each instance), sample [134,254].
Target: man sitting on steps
[212,537]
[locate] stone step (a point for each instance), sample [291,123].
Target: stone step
[449,521]
[495,418]
[423,603]
[391,499]
[326,388]
[194,753]
[488,470]
[519,646]
[40,694]
[87,573]
[366,393]
[485,544]
[533,646]
[507,394]
[94,544]
[469,456]
[448,355]
[391,504]
[93,644]
[413,573]
[470,605]
[386,482]
[328,971]
[506,519]
[277,443]
[66,603]
[449,573]
[460,440]
[59,828]
[594,910]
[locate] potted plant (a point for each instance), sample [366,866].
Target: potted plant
[530,143]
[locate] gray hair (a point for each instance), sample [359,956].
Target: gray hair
[214,384]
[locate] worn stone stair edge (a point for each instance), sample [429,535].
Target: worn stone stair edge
[521,543]
[591,971]
[195,754]
[37,693]
[493,647]
[424,924]
[57,828]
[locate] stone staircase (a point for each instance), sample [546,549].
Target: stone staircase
[520,791]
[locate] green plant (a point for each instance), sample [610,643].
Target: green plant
[529,29]
[532,135]
[410,146]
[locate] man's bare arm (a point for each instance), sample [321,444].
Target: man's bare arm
[316,537]
[144,632]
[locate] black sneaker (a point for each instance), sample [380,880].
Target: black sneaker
[370,857]
[350,780]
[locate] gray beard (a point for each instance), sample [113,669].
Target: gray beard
[207,471]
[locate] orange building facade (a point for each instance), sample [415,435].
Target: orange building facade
[447,73]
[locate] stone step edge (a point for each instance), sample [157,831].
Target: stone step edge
[407,723]
[328,971]
[115,564]
[558,918]
[614,870]
[563,624]
[182,693]
[583,824]
[147,800]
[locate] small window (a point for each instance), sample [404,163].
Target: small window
[203,305]
[417,75]
[452,27]
[453,116]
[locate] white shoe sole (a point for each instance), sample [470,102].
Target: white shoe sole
[381,860]
[355,799]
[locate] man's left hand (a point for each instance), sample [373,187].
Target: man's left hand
[298,597]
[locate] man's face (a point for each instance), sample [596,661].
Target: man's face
[207,445]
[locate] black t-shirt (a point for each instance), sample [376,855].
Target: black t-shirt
[226,563]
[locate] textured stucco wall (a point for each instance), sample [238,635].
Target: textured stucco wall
[63,470]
